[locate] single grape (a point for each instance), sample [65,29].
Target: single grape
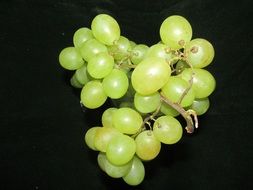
[74,82]
[70,59]
[203,81]
[91,48]
[175,31]
[81,36]
[147,146]
[200,106]
[100,65]
[199,53]
[132,44]
[82,76]
[120,150]
[167,129]
[127,105]
[138,53]
[90,136]
[168,110]
[120,49]
[93,95]
[105,28]
[136,174]
[107,117]
[150,75]
[101,159]
[180,66]
[174,89]
[115,84]
[127,120]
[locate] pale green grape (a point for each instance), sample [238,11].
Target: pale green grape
[175,31]
[136,174]
[168,110]
[147,146]
[161,51]
[90,136]
[115,84]
[81,36]
[91,48]
[75,83]
[101,159]
[93,95]
[150,75]
[147,103]
[127,105]
[100,65]
[167,129]
[120,48]
[132,44]
[105,28]
[180,66]
[82,76]
[174,89]
[70,58]
[103,136]
[200,106]
[127,120]
[107,117]
[138,53]
[203,81]
[199,53]
[120,150]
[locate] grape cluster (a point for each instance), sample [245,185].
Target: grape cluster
[148,86]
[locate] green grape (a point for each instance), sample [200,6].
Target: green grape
[120,150]
[200,106]
[70,58]
[115,84]
[147,103]
[101,159]
[103,136]
[81,36]
[93,95]
[138,53]
[132,44]
[105,28]
[199,53]
[127,120]
[90,136]
[161,51]
[167,129]
[136,174]
[168,110]
[203,81]
[107,117]
[91,48]
[100,65]
[75,83]
[174,89]
[120,48]
[147,146]
[127,105]
[82,76]
[150,75]
[175,31]
[180,66]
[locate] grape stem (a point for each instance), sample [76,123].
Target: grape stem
[190,115]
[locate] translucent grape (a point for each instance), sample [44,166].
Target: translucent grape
[175,31]
[167,129]
[105,28]
[120,49]
[127,120]
[90,136]
[107,117]
[136,174]
[75,83]
[168,110]
[120,150]
[132,44]
[138,53]
[200,106]
[147,103]
[161,51]
[101,159]
[180,66]
[93,95]
[81,36]
[70,59]
[150,75]
[147,146]
[82,76]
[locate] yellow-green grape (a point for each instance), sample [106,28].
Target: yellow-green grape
[200,106]
[180,66]
[127,120]
[82,76]
[105,28]
[74,82]
[101,159]
[203,81]
[138,53]
[150,75]
[167,129]
[120,150]
[93,95]
[91,48]
[175,31]
[199,52]
[161,51]
[147,146]
[136,174]
[81,36]
[168,110]
[132,44]
[107,117]
[70,58]
[120,49]
[175,88]
[90,136]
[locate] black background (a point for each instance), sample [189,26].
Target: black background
[42,125]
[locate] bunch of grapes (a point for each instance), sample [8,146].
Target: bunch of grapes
[148,88]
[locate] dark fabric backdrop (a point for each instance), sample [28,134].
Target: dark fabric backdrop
[42,125]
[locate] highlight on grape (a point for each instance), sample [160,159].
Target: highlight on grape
[148,87]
